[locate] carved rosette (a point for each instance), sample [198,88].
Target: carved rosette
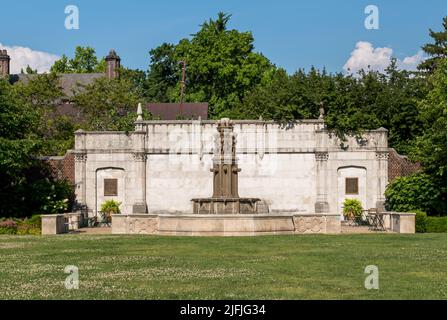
[80,157]
[309,224]
[142,226]
[139,156]
[382,155]
[322,156]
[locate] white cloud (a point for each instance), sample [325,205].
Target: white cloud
[21,57]
[365,56]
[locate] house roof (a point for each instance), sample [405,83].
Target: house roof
[69,82]
[171,111]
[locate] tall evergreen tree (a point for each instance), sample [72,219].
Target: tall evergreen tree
[436,50]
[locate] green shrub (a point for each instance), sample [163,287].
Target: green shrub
[8,227]
[353,206]
[31,226]
[415,192]
[436,224]
[108,208]
[27,230]
[111,207]
[36,221]
[421,221]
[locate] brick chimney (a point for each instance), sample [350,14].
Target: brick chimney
[4,63]
[113,63]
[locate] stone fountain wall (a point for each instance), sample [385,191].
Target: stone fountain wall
[162,165]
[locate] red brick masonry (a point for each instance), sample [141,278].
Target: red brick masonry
[63,167]
[399,166]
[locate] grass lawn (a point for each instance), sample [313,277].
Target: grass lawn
[267,267]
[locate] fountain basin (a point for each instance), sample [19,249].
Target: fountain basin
[226,224]
[225,205]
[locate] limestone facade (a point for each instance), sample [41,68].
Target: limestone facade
[162,165]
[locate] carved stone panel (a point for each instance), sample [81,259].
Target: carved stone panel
[382,155]
[139,156]
[142,226]
[309,224]
[80,157]
[321,156]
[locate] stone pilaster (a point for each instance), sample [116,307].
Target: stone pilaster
[140,172]
[382,178]
[81,177]
[321,204]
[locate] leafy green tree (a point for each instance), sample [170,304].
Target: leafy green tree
[162,74]
[109,104]
[419,191]
[43,93]
[431,147]
[16,119]
[28,70]
[437,50]
[84,61]
[221,66]
[138,79]
[368,100]
[62,65]
[26,181]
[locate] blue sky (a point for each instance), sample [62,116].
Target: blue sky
[292,34]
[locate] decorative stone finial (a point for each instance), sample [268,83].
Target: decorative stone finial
[224,123]
[139,112]
[321,117]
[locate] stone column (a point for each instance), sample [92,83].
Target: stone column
[140,182]
[382,178]
[321,205]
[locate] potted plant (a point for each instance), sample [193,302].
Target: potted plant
[352,210]
[108,208]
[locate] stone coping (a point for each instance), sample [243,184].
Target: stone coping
[53,215]
[298,121]
[241,216]
[211,199]
[60,214]
[399,213]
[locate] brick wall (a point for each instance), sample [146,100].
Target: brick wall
[63,167]
[399,166]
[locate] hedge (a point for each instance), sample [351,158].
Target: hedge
[436,224]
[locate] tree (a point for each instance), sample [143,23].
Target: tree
[352,103]
[28,70]
[43,94]
[84,61]
[162,74]
[26,182]
[418,191]
[436,50]
[431,147]
[62,65]
[221,66]
[109,104]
